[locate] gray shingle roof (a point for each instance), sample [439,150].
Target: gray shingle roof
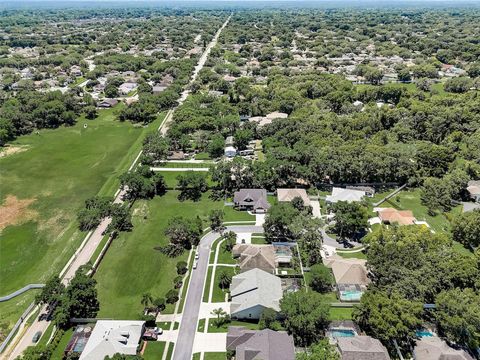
[264,344]
[255,287]
[361,348]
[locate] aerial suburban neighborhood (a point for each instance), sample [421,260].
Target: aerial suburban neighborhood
[230,180]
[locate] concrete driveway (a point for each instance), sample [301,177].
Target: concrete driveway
[209,342]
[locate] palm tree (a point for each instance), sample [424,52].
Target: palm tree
[225,280]
[146,299]
[220,314]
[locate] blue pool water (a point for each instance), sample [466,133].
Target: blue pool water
[349,295]
[342,333]
[424,333]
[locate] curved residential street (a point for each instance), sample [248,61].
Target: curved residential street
[188,325]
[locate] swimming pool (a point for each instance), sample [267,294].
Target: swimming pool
[342,333]
[350,295]
[423,333]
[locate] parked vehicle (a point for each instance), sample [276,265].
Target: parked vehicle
[195,263]
[37,336]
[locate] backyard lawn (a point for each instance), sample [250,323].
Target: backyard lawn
[337,313]
[410,200]
[43,185]
[132,266]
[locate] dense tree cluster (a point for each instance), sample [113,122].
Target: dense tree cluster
[411,266]
[31,110]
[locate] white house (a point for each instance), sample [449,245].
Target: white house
[230,151]
[126,87]
[110,337]
[348,195]
[252,292]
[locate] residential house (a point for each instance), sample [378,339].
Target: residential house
[434,348]
[361,348]
[157,89]
[350,275]
[260,344]
[75,71]
[254,291]
[107,103]
[341,194]
[230,152]
[473,189]
[229,78]
[369,191]
[255,257]
[393,216]
[111,337]
[251,199]
[127,87]
[26,73]
[215,93]
[287,195]
[276,115]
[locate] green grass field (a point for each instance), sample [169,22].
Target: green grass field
[48,182]
[154,350]
[132,266]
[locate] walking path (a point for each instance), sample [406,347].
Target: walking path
[21,291]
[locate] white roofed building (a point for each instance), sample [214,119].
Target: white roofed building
[110,337]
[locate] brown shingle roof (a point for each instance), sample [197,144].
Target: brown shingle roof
[348,271]
[260,345]
[361,348]
[402,217]
[255,256]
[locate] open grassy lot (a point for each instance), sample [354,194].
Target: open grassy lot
[132,266]
[43,186]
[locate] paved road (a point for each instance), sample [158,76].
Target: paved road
[200,64]
[188,326]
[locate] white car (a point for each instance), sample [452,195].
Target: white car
[195,264]
[197,256]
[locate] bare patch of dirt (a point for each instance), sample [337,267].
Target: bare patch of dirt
[14,211]
[10,150]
